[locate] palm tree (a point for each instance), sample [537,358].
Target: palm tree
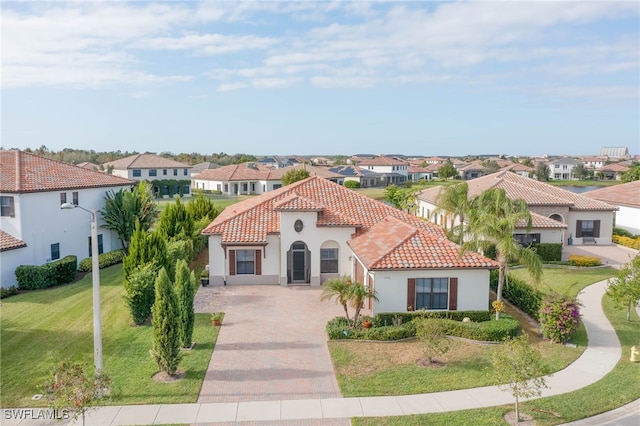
[492,220]
[357,294]
[454,200]
[338,289]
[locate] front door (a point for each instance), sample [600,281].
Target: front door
[298,266]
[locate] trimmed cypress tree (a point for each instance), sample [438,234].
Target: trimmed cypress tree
[140,291]
[166,331]
[185,292]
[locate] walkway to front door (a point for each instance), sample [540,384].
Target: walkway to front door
[272,344]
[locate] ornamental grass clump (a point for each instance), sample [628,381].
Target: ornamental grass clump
[559,317]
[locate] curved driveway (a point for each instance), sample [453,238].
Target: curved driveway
[272,344]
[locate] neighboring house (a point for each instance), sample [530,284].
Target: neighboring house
[88,165]
[365,177]
[562,169]
[435,160]
[277,162]
[34,230]
[626,197]
[594,162]
[612,171]
[151,167]
[473,170]
[313,230]
[557,214]
[200,167]
[415,173]
[521,169]
[393,171]
[251,179]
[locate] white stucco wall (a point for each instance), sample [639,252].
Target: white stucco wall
[40,222]
[391,288]
[9,261]
[606,225]
[628,218]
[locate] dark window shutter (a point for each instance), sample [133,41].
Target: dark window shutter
[596,228]
[232,262]
[578,228]
[453,294]
[258,263]
[411,293]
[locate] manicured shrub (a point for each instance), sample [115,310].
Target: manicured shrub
[353,184]
[66,269]
[166,335]
[388,318]
[179,250]
[6,292]
[140,291]
[549,252]
[519,293]
[622,232]
[185,293]
[577,260]
[33,277]
[559,317]
[104,260]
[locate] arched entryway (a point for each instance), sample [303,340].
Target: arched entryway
[298,264]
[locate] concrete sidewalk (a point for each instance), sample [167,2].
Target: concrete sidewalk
[598,359]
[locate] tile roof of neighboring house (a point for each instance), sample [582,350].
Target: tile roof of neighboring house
[382,160]
[394,244]
[88,165]
[145,161]
[614,167]
[387,237]
[533,192]
[518,167]
[565,160]
[539,221]
[9,242]
[197,168]
[25,172]
[248,172]
[418,169]
[627,194]
[354,171]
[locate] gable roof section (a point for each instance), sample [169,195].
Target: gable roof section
[627,194]
[382,160]
[9,242]
[533,192]
[354,171]
[394,244]
[145,161]
[250,221]
[25,172]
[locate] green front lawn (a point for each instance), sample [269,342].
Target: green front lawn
[41,328]
[564,280]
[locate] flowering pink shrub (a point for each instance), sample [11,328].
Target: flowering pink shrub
[559,317]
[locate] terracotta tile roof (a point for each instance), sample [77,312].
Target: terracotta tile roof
[88,165]
[25,172]
[251,171]
[418,169]
[9,242]
[518,167]
[533,192]
[614,167]
[295,202]
[627,194]
[145,161]
[394,244]
[540,221]
[253,219]
[382,160]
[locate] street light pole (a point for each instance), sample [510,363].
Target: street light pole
[95,275]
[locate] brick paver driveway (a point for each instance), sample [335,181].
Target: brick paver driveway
[272,344]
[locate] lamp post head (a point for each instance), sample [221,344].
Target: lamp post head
[67,206]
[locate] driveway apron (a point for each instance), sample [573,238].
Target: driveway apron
[272,344]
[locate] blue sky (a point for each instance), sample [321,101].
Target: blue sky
[418,78]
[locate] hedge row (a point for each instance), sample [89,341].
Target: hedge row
[389,318]
[519,293]
[627,241]
[577,260]
[104,260]
[549,252]
[487,330]
[33,277]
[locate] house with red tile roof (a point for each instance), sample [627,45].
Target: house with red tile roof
[155,169]
[557,214]
[392,170]
[312,230]
[253,178]
[626,197]
[34,230]
[613,171]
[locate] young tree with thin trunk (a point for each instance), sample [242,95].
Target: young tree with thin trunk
[624,289]
[338,289]
[518,366]
[454,201]
[357,294]
[166,328]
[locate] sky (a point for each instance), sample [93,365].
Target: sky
[322,78]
